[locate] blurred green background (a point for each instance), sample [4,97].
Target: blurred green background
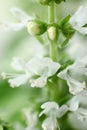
[20,43]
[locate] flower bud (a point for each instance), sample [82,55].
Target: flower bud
[52,32]
[45,2]
[36,27]
[58,1]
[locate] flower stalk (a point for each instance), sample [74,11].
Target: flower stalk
[51,19]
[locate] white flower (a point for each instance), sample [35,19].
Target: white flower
[31,117]
[21,16]
[52,110]
[78,107]
[73,104]
[50,123]
[50,107]
[75,76]
[18,126]
[36,71]
[79,19]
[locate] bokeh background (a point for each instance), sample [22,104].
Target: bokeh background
[21,44]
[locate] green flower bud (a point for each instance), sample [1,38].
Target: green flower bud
[45,2]
[58,1]
[52,32]
[36,27]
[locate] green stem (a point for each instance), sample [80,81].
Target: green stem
[53,50]
[51,12]
[51,18]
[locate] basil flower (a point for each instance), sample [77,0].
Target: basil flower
[75,76]
[33,26]
[77,105]
[52,110]
[36,71]
[79,20]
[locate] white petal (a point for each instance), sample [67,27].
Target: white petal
[50,124]
[18,63]
[16,26]
[63,74]
[18,126]
[39,82]
[48,106]
[82,114]
[75,86]
[7,26]
[42,66]
[62,110]
[73,104]
[79,19]
[20,14]
[82,30]
[30,116]
[20,80]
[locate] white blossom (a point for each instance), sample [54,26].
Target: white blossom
[50,107]
[18,126]
[50,123]
[77,106]
[52,110]
[30,117]
[21,16]
[79,19]
[75,76]
[36,71]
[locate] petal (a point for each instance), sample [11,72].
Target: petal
[20,80]
[30,116]
[48,106]
[82,30]
[39,82]
[62,110]
[20,14]
[18,63]
[50,124]
[79,19]
[73,104]
[82,114]
[42,66]
[11,26]
[52,66]
[63,74]
[75,86]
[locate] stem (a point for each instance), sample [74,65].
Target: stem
[51,12]
[53,44]
[53,50]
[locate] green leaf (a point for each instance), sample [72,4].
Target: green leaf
[64,21]
[40,39]
[63,44]
[63,66]
[85,25]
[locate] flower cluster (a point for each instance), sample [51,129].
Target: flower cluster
[42,71]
